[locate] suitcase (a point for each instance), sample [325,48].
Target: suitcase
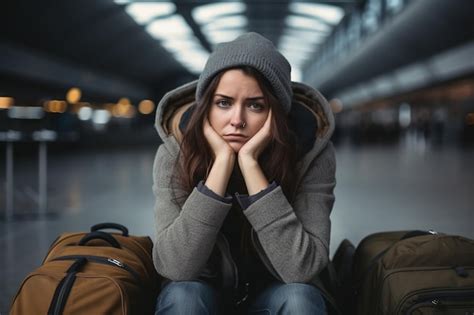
[92,273]
[414,273]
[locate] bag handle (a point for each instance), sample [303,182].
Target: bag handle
[99,235]
[109,225]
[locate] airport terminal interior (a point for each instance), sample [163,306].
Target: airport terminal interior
[80,82]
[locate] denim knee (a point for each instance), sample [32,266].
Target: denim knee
[187,297]
[292,298]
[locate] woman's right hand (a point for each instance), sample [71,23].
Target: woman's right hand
[219,146]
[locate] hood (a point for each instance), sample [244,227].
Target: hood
[311,117]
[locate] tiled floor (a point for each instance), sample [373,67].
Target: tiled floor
[406,186]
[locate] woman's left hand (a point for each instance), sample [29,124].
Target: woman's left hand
[252,149]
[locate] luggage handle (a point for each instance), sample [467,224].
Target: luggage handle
[99,235]
[109,225]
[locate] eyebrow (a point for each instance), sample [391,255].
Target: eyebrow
[253,98]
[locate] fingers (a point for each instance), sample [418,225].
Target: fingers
[259,141]
[269,119]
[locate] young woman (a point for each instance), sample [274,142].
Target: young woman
[244,186]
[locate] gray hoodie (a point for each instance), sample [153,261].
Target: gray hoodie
[292,240]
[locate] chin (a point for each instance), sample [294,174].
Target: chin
[236,146]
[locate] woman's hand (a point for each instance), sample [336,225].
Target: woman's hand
[218,145]
[224,160]
[252,149]
[254,177]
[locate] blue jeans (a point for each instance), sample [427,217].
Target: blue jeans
[195,297]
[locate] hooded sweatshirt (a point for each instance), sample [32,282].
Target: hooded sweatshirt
[291,240]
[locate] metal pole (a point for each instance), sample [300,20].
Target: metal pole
[9,186]
[43,179]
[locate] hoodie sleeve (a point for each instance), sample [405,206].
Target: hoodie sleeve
[184,236]
[295,238]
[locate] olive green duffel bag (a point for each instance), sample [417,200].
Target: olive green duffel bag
[414,273]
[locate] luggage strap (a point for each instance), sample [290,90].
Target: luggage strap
[64,287]
[99,235]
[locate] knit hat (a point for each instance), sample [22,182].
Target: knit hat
[254,50]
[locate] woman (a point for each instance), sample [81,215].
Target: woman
[244,186]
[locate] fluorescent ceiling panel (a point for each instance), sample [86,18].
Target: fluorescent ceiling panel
[193,60]
[178,38]
[170,27]
[305,34]
[296,74]
[145,12]
[179,44]
[207,13]
[223,36]
[189,56]
[302,40]
[296,56]
[306,23]
[232,22]
[328,13]
[296,48]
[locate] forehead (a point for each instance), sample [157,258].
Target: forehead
[235,81]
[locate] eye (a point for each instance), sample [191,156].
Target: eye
[255,106]
[223,103]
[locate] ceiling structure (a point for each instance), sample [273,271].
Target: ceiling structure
[141,49]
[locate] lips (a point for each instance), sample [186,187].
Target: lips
[235,137]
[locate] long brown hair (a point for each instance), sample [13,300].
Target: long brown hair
[196,156]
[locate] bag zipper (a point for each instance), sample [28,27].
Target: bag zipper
[135,242]
[105,261]
[435,299]
[64,287]
[59,301]
[380,287]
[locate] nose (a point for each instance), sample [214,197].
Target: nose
[237,119]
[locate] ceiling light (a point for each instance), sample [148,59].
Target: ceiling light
[304,34]
[206,13]
[180,44]
[295,49]
[146,107]
[145,12]
[25,112]
[101,116]
[6,102]
[237,21]
[330,14]
[296,56]
[178,38]
[167,28]
[194,60]
[73,95]
[85,113]
[306,23]
[296,74]
[307,41]
[220,36]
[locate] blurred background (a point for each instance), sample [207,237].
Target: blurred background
[80,82]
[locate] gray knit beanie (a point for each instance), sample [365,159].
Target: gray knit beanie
[254,50]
